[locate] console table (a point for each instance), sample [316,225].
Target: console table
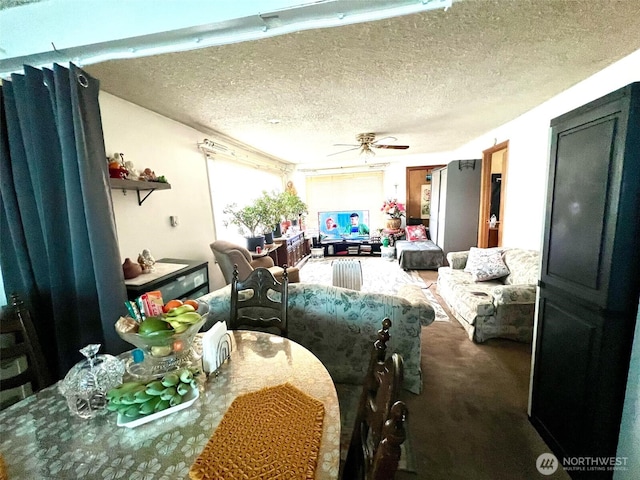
[359,247]
[190,281]
[266,251]
[290,250]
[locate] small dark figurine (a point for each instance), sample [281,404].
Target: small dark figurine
[392,240]
[130,269]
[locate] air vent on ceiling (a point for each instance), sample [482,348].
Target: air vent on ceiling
[211,146]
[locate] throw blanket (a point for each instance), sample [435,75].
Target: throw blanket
[378,276]
[419,255]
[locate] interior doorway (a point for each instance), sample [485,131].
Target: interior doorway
[492,195]
[419,195]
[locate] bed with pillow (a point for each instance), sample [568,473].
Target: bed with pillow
[492,291]
[417,252]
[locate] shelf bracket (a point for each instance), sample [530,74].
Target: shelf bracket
[141,201]
[149,187]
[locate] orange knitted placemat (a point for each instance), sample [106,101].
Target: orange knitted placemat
[3,469]
[273,433]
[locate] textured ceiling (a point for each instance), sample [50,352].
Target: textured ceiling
[434,80]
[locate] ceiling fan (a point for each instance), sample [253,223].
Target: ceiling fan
[367,142]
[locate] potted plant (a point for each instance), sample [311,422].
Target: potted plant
[249,219]
[395,212]
[293,208]
[270,211]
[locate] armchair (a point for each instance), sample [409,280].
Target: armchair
[228,254]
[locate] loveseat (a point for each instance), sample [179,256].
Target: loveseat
[502,307]
[339,326]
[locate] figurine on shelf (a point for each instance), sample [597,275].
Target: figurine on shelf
[117,168]
[146,261]
[291,188]
[149,175]
[134,173]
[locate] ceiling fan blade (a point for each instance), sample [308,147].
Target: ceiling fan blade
[391,147]
[343,151]
[389,138]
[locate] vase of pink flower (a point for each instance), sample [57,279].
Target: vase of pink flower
[395,212]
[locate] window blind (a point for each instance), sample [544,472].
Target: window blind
[352,191]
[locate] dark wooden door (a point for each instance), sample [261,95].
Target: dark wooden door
[589,279]
[418,178]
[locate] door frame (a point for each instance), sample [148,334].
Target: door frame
[408,198]
[428,170]
[485,193]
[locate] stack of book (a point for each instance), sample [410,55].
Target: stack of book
[365,249]
[353,250]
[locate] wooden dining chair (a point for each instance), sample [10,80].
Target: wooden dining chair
[379,430]
[260,301]
[20,354]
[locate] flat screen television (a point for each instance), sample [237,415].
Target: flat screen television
[344,224]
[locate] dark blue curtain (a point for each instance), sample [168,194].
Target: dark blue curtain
[58,244]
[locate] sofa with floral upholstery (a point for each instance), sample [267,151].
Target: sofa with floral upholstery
[340,325]
[493,296]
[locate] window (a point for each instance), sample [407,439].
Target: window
[359,191]
[234,182]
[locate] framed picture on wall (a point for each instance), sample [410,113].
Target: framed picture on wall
[425,201]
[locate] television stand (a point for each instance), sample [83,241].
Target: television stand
[340,248]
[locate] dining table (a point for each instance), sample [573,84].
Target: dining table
[41,439]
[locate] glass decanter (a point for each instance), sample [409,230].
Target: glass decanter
[86,384]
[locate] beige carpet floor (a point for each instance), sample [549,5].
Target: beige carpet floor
[470,422]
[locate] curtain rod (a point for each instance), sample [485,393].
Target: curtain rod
[213,149]
[351,168]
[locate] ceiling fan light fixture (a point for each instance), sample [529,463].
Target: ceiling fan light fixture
[367,153]
[366,143]
[365,138]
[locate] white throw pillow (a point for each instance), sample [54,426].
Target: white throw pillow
[477,256]
[485,264]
